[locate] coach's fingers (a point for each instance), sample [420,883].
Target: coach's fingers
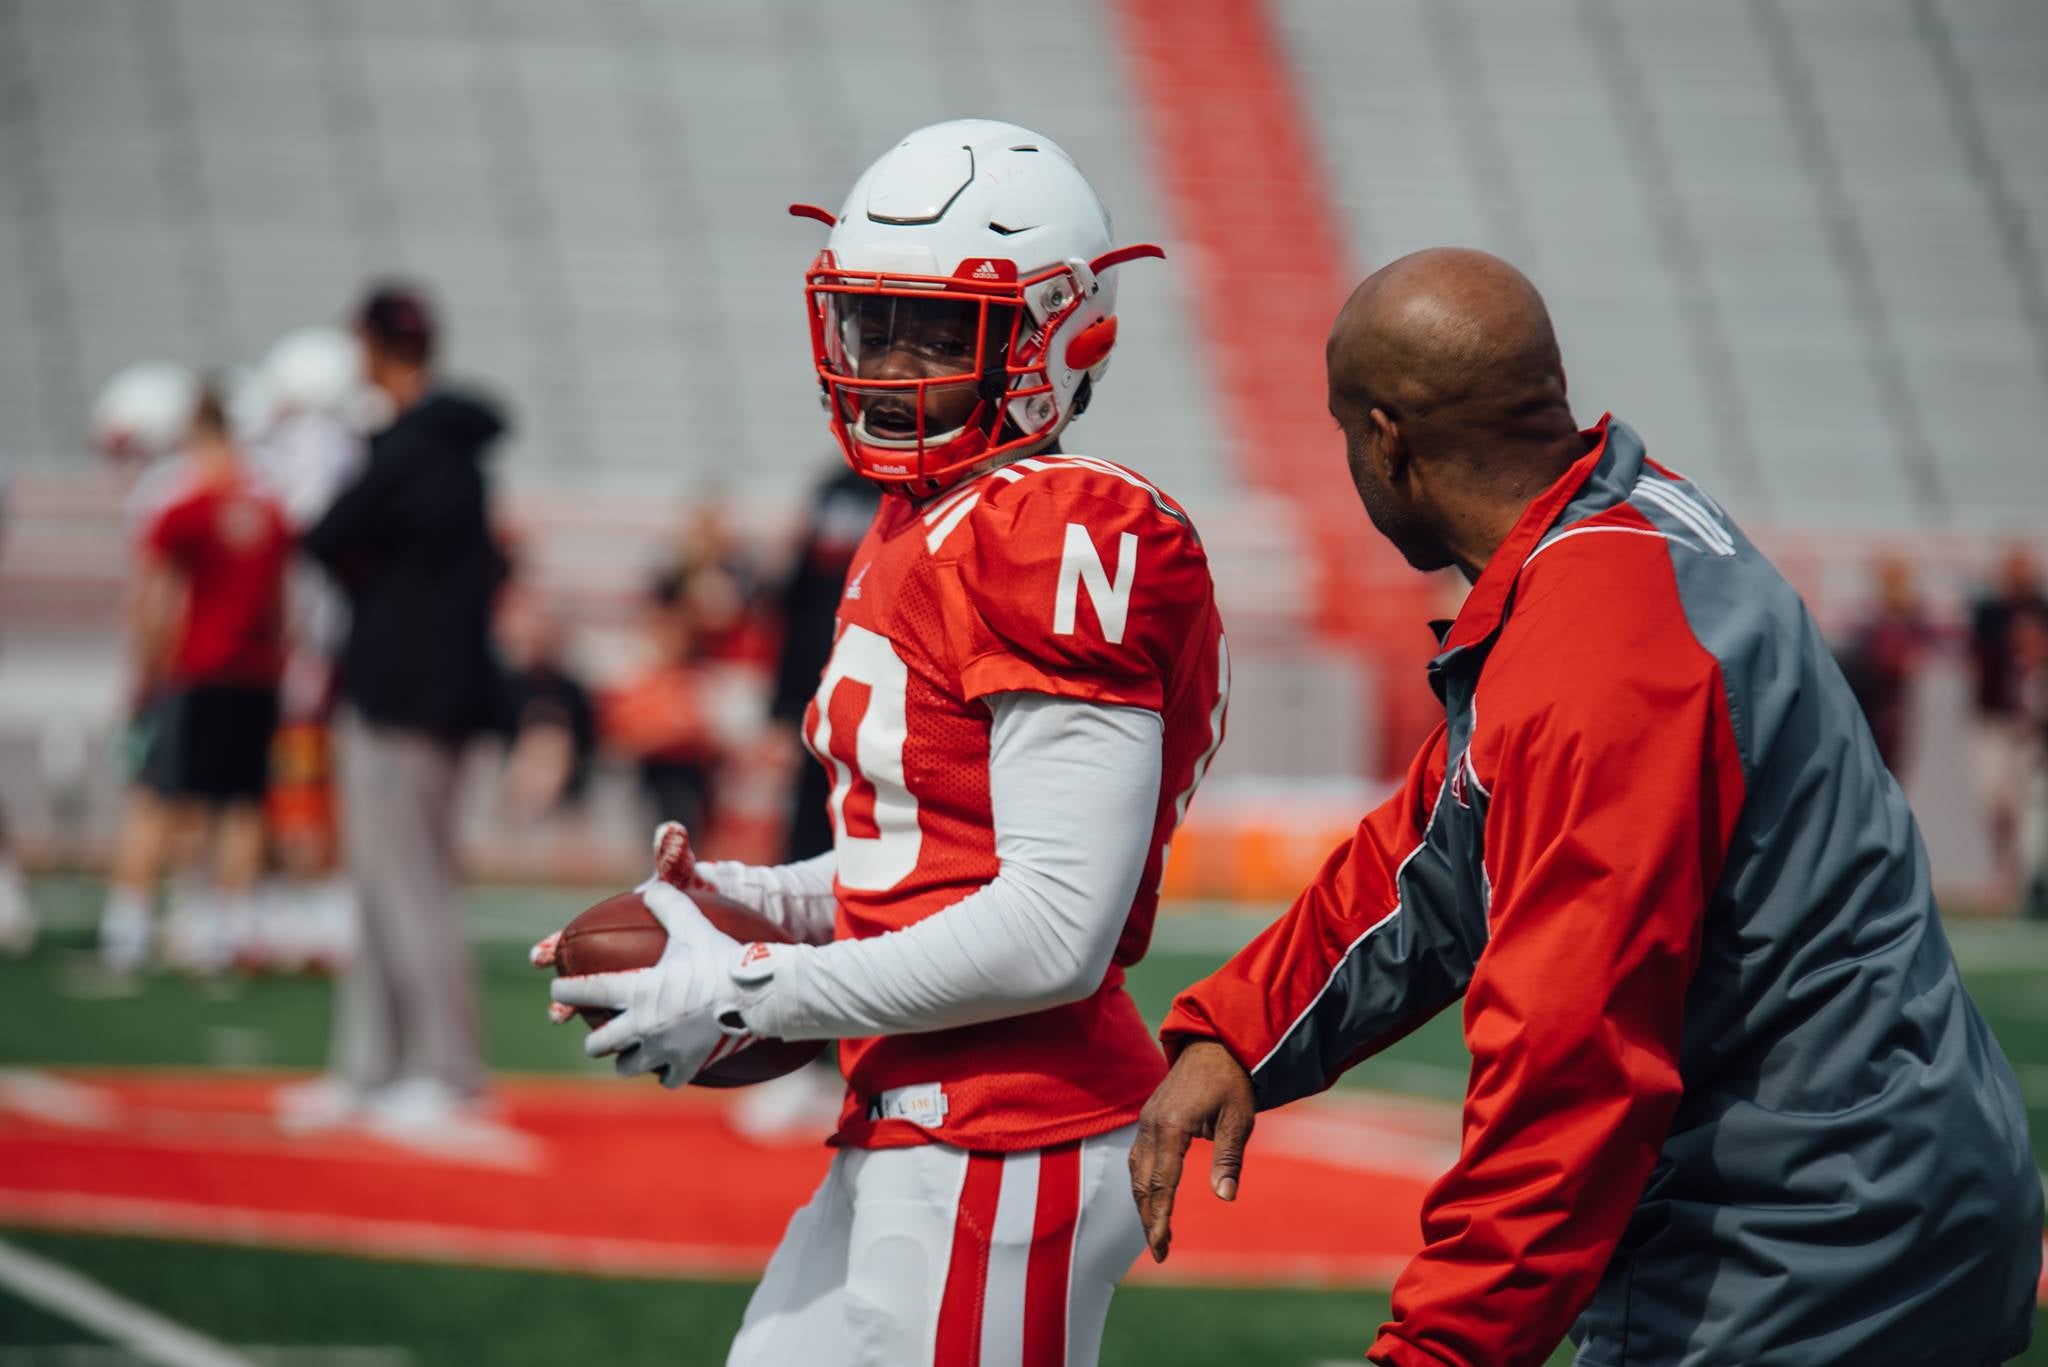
[543,954]
[1155,1177]
[1141,1169]
[1233,1128]
[559,1014]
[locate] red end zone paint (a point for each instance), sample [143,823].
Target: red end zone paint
[1332,1188]
[1238,165]
[197,1156]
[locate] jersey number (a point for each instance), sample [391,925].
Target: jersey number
[862,722]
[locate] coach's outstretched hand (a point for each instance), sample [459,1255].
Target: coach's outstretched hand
[1208,1095]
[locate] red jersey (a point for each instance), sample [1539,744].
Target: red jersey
[230,541]
[1060,575]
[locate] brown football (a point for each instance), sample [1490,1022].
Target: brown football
[621,933]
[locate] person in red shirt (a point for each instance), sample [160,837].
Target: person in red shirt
[209,646]
[1883,656]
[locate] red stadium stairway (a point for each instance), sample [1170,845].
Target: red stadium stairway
[621,1178]
[1241,171]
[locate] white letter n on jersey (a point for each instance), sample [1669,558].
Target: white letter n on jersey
[1079,564]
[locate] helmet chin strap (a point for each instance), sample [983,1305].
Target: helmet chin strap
[1048,442]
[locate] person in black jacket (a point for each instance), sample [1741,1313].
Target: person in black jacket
[411,546]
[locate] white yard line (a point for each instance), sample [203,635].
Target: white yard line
[419,1241]
[474,1142]
[141,1331]
[57,1100]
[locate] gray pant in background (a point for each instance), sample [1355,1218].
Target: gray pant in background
[407,1008]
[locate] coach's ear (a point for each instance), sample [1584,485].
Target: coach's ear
[1387,445]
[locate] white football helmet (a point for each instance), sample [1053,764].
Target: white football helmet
[253,410]
[316,369]
[996,224]
[145,411]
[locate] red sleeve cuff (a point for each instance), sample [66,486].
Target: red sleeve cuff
[1184,1025]
[998,671]
[1389,1351]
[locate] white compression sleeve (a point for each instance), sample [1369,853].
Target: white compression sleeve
[1074,790]
[797,897]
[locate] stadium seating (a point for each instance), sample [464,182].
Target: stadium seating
[1827,301]
[1819,288]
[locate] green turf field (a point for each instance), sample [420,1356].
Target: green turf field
[60,1011]
[462,1315]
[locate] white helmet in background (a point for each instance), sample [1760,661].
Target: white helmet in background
[315,369]
[145,411]
[993,230]
[252,404]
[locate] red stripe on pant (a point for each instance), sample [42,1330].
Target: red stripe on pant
[958,1340]
[1052,1256]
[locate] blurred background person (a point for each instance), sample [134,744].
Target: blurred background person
[661,717]
[840,512]
[550,718]
[208,646]
[803,1104]
[689,706]
[1886,647]
[410,544]
[717,572]
[311,405]
[139,424]
[17,918]
[1999,743]
[2028,639]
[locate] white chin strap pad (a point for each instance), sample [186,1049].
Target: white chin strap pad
[931,442]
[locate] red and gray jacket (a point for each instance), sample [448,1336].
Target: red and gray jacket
[1729,1103]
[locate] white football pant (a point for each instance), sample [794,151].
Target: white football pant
[937,1256]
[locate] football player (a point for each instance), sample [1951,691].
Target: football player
[310,446]
[140,423]
[1028,682]
[209,647]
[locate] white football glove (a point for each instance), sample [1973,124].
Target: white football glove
[676,1017]
[674,863]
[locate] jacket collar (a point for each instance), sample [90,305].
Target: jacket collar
[1487,604]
